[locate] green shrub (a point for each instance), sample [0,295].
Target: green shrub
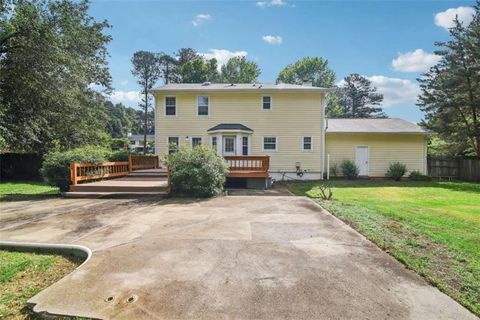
[349,169]
[396,171]
[119,143]
[416,175]
[121,155]
[56,165]
[198,172]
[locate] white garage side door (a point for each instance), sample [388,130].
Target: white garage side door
[361,159]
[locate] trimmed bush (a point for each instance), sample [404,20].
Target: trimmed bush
[198,172]
[56,165]
[121,155]
[349,169]
[416,175]
[396,171]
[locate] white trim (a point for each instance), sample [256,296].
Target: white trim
[208,106]
[195,137]
[368,156]
[261,102]
[269,150]
[311,144]
[165,107]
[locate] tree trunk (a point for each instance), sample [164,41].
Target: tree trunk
[145,121]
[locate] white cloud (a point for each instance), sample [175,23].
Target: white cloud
[395,90]
[445,18]
[201,18]
[272,3]
[125,96]
[222,55]
[124,82]
[272,39]
[416,61]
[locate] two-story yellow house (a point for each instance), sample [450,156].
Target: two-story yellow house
[279,128]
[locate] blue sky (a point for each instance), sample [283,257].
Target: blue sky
[390,42]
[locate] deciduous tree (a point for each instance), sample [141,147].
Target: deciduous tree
[313,69]
[240,70]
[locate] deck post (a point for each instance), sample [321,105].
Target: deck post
[129,162]
[73,173]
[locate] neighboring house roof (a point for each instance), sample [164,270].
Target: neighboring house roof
[230,126]
[139,137]
[393,125]
[236,87]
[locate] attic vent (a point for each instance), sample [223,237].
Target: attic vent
[206,83]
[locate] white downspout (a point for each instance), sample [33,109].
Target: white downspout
[324,103]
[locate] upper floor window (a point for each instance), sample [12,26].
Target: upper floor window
[307,143]
[266,102]
[170,106]
[202,105]
[270,143]
[196,141]
[173,143]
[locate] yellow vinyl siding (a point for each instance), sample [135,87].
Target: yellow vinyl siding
[292,116]
[383,149]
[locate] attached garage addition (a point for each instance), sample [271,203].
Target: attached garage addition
[375,143]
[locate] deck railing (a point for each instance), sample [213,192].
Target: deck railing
[92,171]
[82,171]
[137,162]
[248,163]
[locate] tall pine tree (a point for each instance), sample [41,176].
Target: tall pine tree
[450,94]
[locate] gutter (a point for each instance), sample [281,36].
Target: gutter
[72,249]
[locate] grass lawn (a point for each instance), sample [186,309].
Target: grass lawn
[25,190]
[22,275]
[432,227]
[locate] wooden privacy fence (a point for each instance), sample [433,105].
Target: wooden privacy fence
[137,162]
[82,171]
[466,169]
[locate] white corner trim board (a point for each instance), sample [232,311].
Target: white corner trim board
[59,247]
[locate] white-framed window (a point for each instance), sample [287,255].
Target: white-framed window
[170,106]
[270,143]
[266,103]
[244,146]
[196,141]
[214,143]
[307,144]
[202,105]
[173,143]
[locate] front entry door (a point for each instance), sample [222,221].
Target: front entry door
[229,143]
[361,159]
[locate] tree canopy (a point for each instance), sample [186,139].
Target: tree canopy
[240,70]
[356,98]
[313,69]
[450,94]
[51,54]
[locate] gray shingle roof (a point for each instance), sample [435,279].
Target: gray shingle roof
[139,137]
[393,125]
[230,126]
[237,87]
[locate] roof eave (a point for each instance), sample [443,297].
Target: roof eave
[378,132]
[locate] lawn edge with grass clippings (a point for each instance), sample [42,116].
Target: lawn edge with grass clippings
[420,245]
[24,274]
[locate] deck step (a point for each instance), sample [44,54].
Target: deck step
[113,195]
[109,188]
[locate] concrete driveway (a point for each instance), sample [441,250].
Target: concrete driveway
[243,257]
